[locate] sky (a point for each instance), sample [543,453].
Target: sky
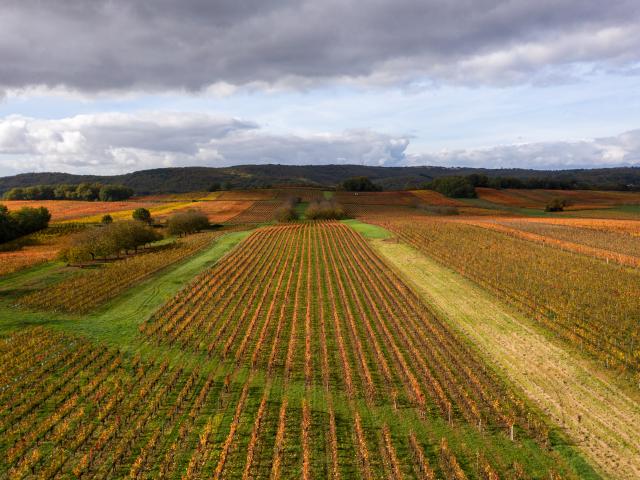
[113,86]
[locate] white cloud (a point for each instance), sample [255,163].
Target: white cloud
[109,143]
[621,150]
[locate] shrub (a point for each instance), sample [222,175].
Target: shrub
[184,223]
[287,211]
[107,219]
[285,214]
[556,205]
[325,210]
[142,215]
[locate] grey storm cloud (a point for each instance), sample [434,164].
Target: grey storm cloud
[110,143]
[119,45]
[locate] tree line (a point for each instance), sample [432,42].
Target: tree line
[464,186]
[82,191]
[22,222]
[109,241]
[113,239]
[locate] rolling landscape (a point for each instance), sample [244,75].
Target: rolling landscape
[307,240]
[400,334]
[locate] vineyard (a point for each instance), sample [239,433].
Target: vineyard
[325,349]
[607,244]
[376,198]
[579,199]
[301,326]
[355,210]
[36,248]
[247,195]
[88,289]
[590,303]
[291,378]
[259,212]
[304,194]
[217,211]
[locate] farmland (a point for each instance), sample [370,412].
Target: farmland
[440,339]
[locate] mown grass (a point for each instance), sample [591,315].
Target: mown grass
[367,230]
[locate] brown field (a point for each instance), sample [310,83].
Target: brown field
[178,197]
[355,210]
[434,198]
[247,195]
[400,198]
[538,199]
[220,211]
[259,212]
[305,194]
[64,210]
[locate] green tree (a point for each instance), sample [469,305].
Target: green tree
[360,184]
[142,215]
[456,187]
[113,193]
[107,219]
[86,191]
[184,223]
[29,220]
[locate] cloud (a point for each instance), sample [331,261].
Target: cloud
[110,143]
[621,150]
[119,45]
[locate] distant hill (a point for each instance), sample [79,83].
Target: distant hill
[186,179]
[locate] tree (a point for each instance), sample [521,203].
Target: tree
[107,219]
[8,230]
[22,222]
[456,187]
[83,191]
[87,191]
[360,184]
[214,187]
[108,240]
[142,215]
[31,219]
[114,193]
[14,194]
[184,223]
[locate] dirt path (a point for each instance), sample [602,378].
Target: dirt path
[600,417]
